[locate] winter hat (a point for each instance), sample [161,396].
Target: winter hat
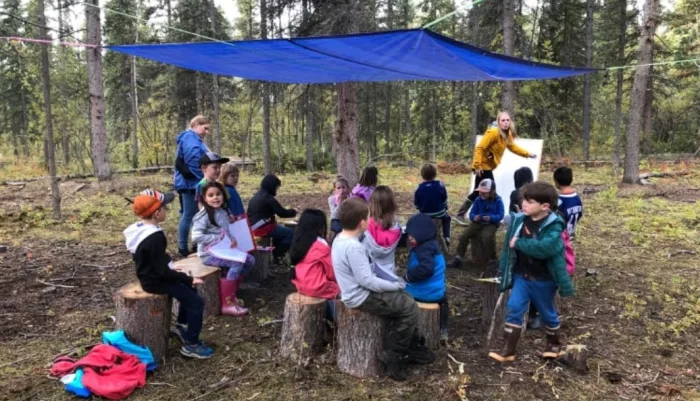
[485,185]
[150,200]
[212,158]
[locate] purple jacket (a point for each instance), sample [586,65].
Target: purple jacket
[362,192]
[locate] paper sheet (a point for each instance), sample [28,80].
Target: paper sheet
[222,249]
[240,230]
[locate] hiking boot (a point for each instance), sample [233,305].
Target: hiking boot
[456,263]
[534,323]
[198,350]
[511,335]
[554,348]
[179,333]
[394,364]
[443,336]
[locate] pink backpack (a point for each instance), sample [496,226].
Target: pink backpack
[569,254]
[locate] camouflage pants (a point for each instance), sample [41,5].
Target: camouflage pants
[401,313]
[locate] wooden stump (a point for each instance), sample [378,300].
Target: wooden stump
[261,271]
[304,326]
[481,255]
[440,237]
[360,339]
[209,291]
[144,317]
[489,296]
[429,324]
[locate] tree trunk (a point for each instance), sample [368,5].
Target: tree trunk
[474,115]
[215,87]
[433,123]
[48,139]
[263,256]
[621,43]
[508,96]
[144,317]
[360,339]
[429,324]
[648,112]
[209,291]
[309,142]
[489,295]
[387,119]
[100,155]
[267,154]
[134,106]
[586,129]
[641,78]
[65,138]
[345,134]
[304,326]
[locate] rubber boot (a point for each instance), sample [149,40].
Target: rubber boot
[511,335]
[554,348]
[417,351]
[227,295]
[395,365]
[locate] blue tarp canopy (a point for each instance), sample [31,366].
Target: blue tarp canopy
[405,55]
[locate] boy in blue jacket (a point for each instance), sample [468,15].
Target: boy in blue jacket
[425,274]
[485,215]
[533,268]
[431,198]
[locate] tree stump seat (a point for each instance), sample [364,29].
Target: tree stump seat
[360,339]
[209,291]
[429,324]
[261,271]
[144,317]
[304,326]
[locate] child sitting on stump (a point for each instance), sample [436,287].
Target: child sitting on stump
[360,288]
[383,232]
[147,244]
[262,211]
[431,198]
[533,266]
[425,274]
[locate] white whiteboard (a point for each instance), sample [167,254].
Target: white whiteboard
[511,162]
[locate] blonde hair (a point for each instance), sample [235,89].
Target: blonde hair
[382,206]
[228,169]
[512,129]
[198,120]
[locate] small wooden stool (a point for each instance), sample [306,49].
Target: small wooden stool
[360,339]
[209,291]
[304,326]
[429,324]
[261,271]
[144,317]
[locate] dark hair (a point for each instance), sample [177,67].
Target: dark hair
[351,212]
[312,224]
[370,177]
[563,176]
[210,210]
[428,172]
[270,183]
[382,206]
[541,192]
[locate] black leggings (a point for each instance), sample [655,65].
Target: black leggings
[485,174]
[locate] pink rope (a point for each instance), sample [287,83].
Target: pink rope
[50,42]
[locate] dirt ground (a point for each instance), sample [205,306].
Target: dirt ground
[637,306]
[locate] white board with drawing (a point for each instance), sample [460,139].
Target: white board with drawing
[510,162]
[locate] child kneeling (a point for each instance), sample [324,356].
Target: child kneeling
[533,266]
[208,227]
[425,274]
[147,244]
[361,288]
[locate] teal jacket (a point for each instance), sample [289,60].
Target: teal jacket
[549,245]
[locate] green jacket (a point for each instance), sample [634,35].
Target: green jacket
[549,245]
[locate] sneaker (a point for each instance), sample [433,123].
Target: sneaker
[198,350]
[456,263]
[183,252]
[443,336]
[178,333]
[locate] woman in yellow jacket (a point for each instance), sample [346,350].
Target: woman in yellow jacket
[488,154]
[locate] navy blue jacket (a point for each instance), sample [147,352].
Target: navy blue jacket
[191,147]
[431,198]
[425,274]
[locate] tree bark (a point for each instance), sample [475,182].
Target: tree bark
[508,96]
[475,115]
[48,139]
[309,142]
[360,339]
[100,155]
[586,128]
[267,154]
[215,87]
[261,271]
[621,43]
[429,324]
[345,133]
[489,295]
[641,78]
[209,291]
[65,138]
[304,326]
[134,106]
[144,317]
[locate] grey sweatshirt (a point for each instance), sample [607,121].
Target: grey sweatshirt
[204,233]
[354,272]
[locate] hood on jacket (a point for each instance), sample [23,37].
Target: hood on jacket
[137,232]
[522,176]
[319,249]
[421,227]
[379,242]
[552,218]
[270,183]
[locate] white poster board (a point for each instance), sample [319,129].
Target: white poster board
[510,162]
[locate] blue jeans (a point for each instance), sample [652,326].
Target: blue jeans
[188,208]
[538,292]
[191,310]
[281,240]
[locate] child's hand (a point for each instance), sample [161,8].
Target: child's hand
[231,219]
[477,218]
[197,281]
[487,218]
[234,243]
[512,242]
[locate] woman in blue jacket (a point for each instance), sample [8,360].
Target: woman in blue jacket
[190,147]
[485,216]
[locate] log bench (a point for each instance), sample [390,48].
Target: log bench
[209,291]
[144,317]
[304,326]
[261,271]
[360,339]
[429,324]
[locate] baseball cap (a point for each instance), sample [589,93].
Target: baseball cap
[211,158]
[150,200]
[485,185]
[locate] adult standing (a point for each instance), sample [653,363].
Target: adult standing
[488,154]
[190,147]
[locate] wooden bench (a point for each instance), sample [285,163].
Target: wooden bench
[429,324]
[144,317]
[209,291]
[261,271]
[304,326]
[360,339]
